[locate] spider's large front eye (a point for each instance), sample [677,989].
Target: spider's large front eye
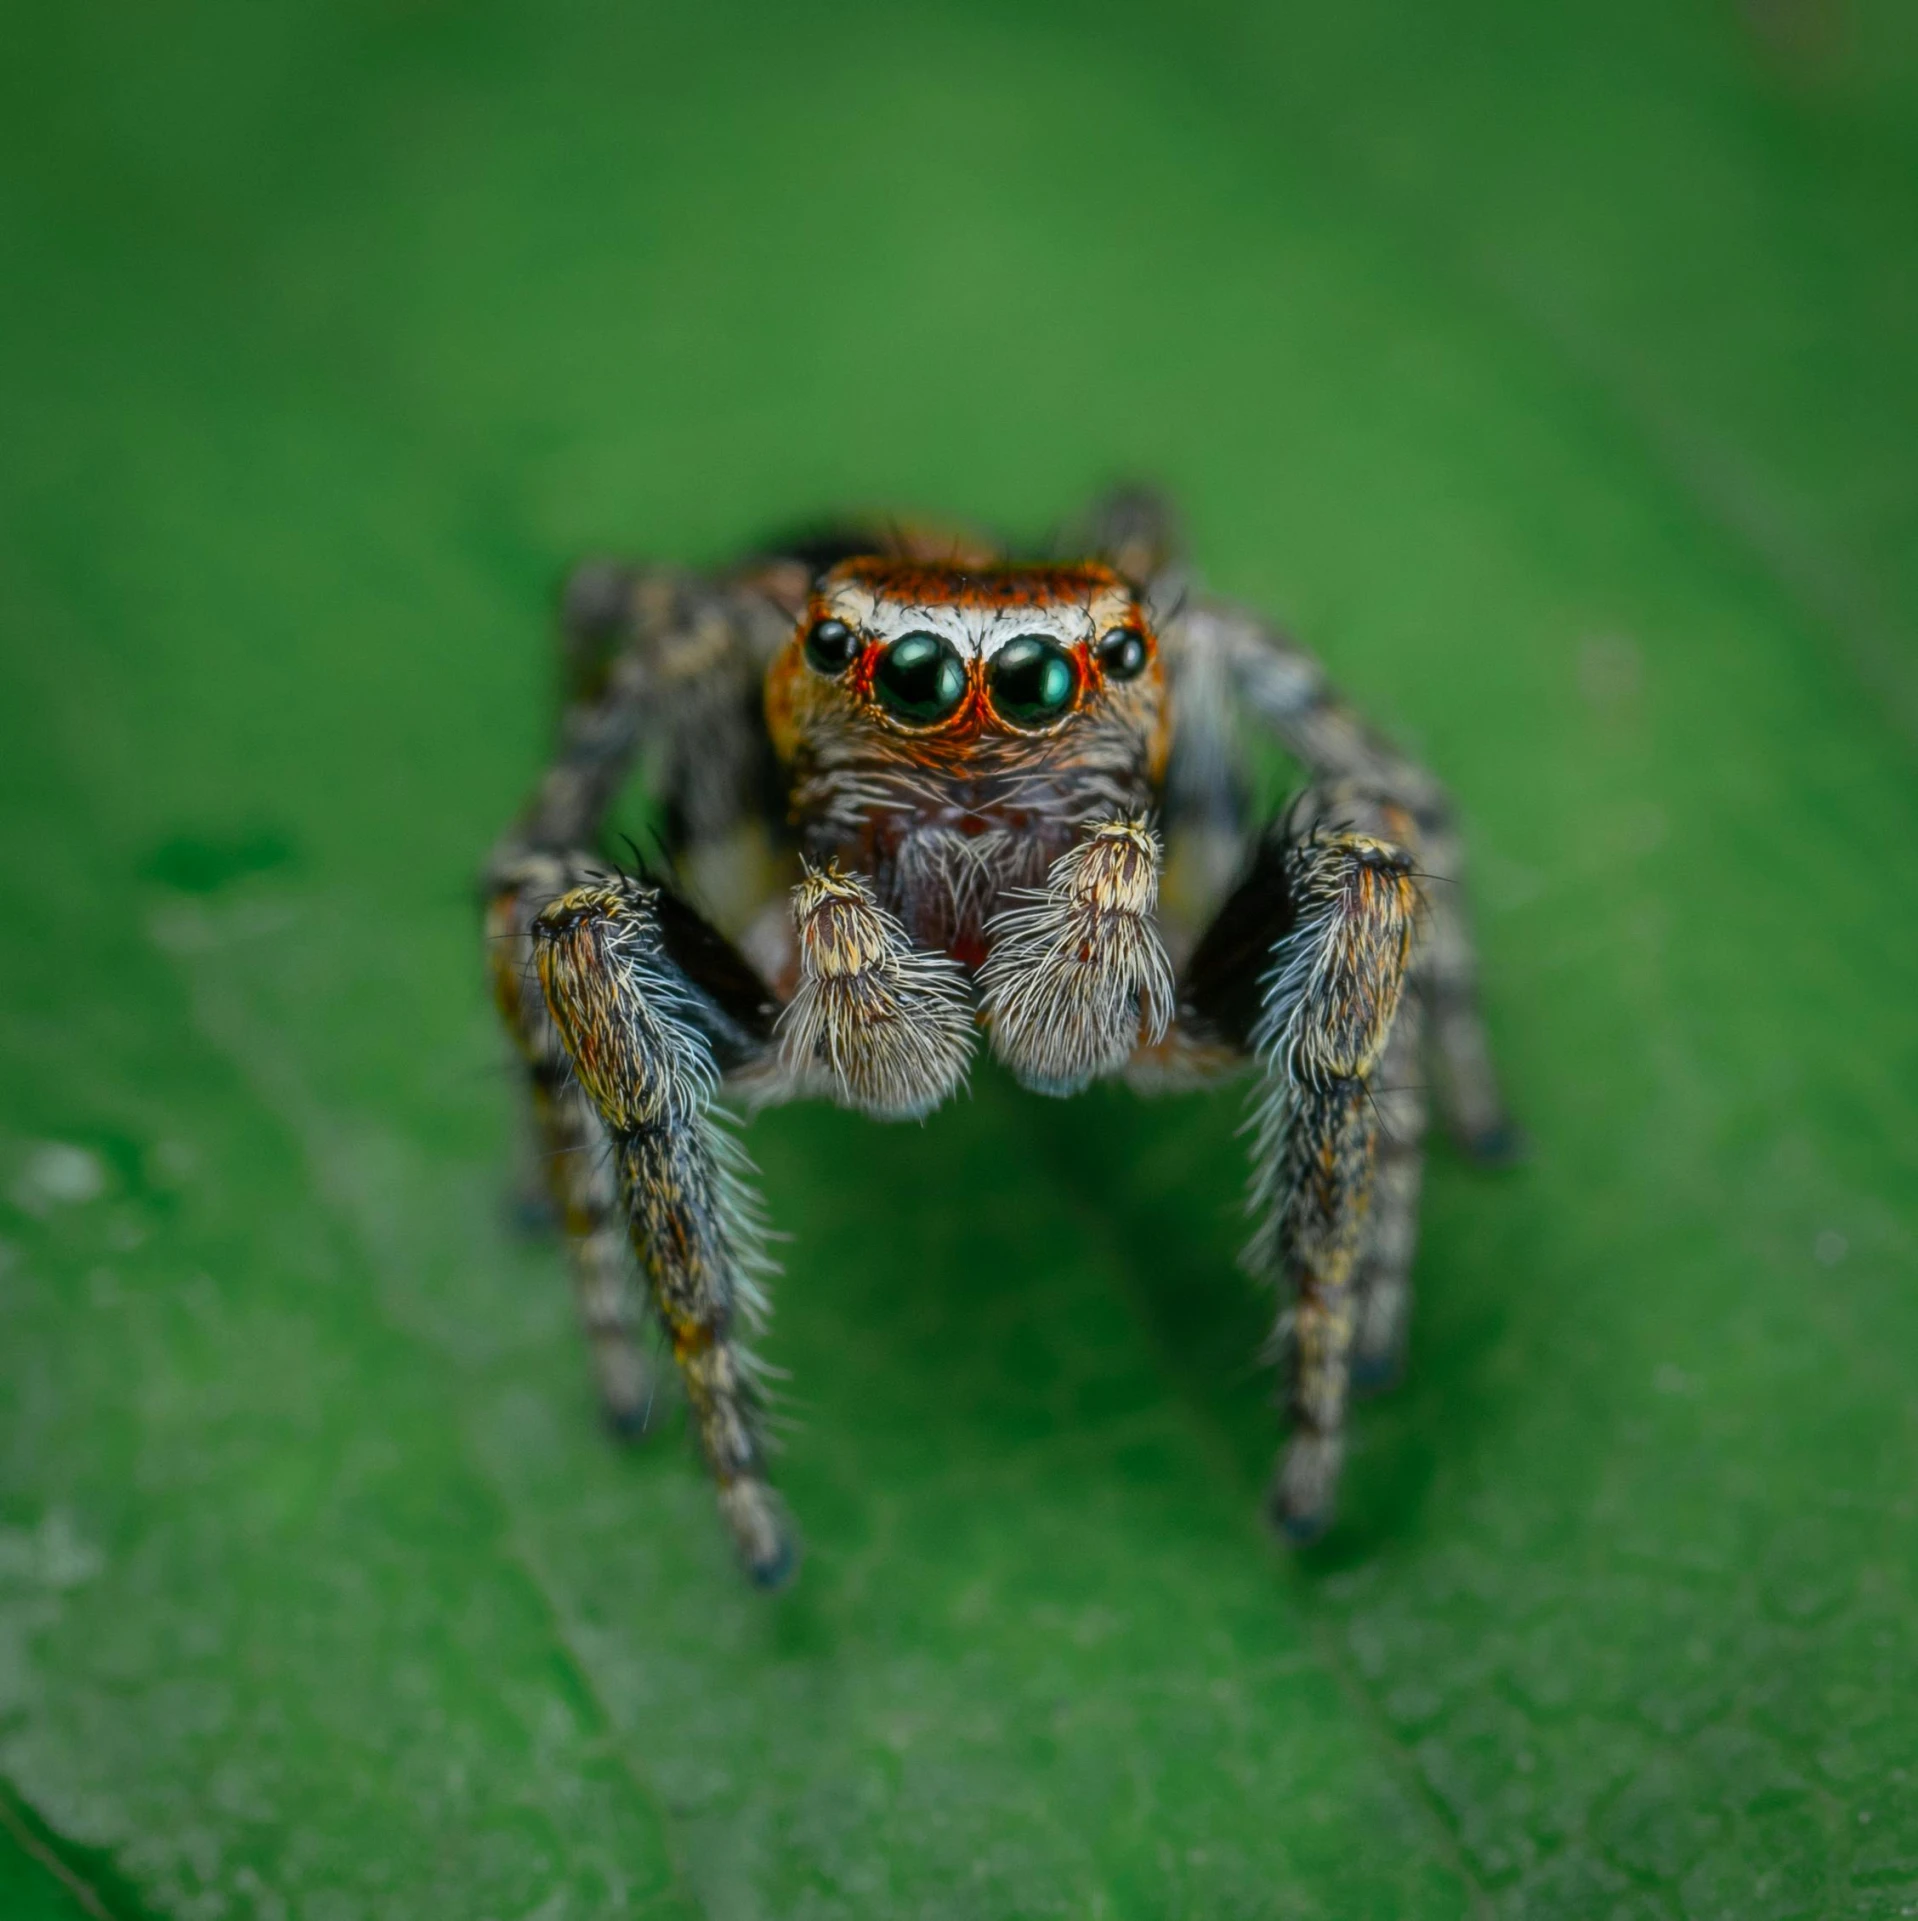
[1033,681]
[830,646]
[921,679]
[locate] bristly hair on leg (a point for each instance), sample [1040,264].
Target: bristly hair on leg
[1327,1000]
[1333,985]
[630,1023]
[1077,977]
[1330,996]
[576,1171]
[886,1026]
[626,1015]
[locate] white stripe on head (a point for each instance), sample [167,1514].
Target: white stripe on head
[977,631]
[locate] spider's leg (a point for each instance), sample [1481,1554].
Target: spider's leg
[1286,689]
[1077,978]
[1448,985]
[670,666]
[822,544]
[633,643]
[874,1022]
[1133,529]
[575,1155]
[1304,968]
[1382,1278]
[606,680]
[1382,1284]
[648,1040]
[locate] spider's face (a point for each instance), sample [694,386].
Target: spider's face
[964,671]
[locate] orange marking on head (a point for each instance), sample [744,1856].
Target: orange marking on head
[1006,586]
[977,611]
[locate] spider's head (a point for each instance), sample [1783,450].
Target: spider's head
[954,668]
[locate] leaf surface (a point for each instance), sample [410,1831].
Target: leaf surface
[1554,375]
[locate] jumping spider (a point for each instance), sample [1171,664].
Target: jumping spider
[924,794]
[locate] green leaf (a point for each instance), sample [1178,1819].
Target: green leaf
[35,1884]
[1553,370]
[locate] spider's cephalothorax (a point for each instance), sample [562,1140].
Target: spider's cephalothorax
[926,797]
[950,733]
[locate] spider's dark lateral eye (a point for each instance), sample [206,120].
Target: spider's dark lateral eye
[1122,653]
[1033,681]
[921,679]
[830,646]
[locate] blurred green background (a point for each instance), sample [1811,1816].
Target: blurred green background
[1553,369]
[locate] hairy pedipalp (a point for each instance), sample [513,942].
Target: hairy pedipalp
[881,1025]
[1077,979]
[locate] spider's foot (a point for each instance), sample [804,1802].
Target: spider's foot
[778,1568]
[767,1546]
[597,598]
[628,1387]
[1305,1491]
[628,1423]
[1379,1332]
[531,1214]
[1502,1144]
[1377,1372]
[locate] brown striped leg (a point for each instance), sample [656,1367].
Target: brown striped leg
[1305,968]
[574,1152]
[666,668]
[1287,689]
[1467,1084]
[1331,994]
[1382,1285]
[639,1031]
[1320,1170]
[667,662]
[611,625]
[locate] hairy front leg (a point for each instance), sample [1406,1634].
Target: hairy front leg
[1305,968]
[1077,979]
[1330,993]
[635,1029]
[574,1153]
[1287,689]
[1382,1278]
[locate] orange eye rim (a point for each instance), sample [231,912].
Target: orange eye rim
[982,704]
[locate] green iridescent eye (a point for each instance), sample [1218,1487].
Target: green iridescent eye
[1033,681]
[920,679]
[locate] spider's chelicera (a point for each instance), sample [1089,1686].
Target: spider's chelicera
[929,800]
